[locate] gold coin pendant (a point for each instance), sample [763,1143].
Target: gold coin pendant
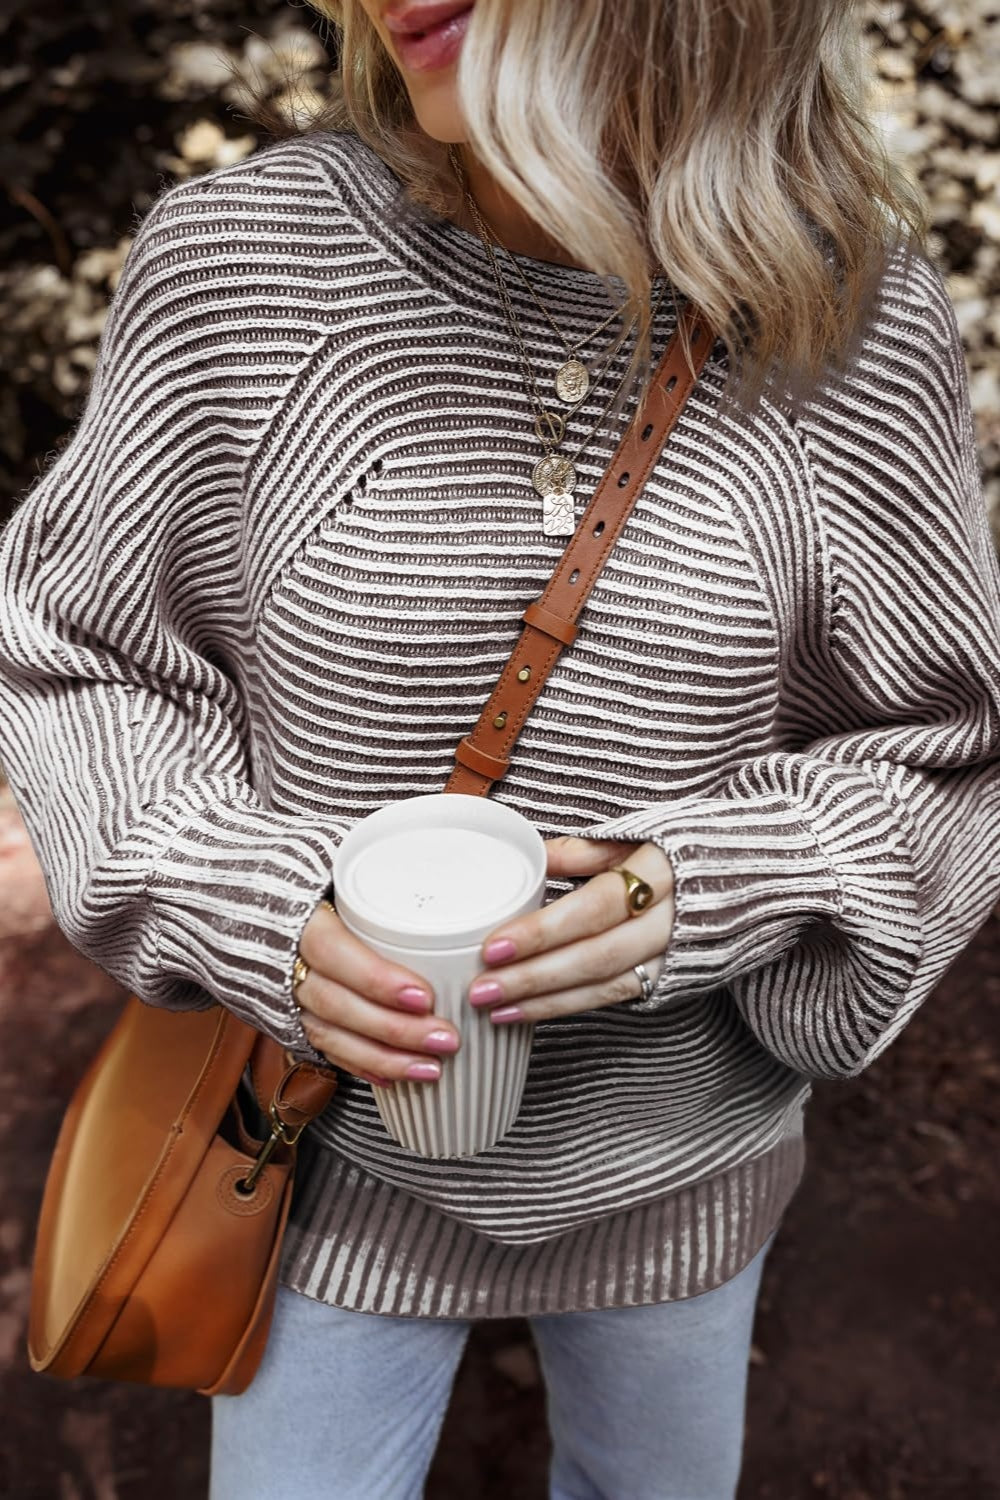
[553,472]
[572,381]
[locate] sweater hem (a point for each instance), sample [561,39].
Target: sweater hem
[358,1243]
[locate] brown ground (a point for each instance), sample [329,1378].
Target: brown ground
[876,1364]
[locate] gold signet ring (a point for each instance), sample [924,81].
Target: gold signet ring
[299,971]
[638,893]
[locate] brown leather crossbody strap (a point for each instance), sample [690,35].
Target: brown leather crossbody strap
[550,621]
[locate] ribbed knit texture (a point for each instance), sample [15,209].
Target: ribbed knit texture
[273,577]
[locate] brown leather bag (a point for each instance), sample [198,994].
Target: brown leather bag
[158,1243]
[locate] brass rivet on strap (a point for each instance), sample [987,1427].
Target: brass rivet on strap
[500,720]
[524,674]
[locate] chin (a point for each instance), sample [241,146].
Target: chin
[437,113]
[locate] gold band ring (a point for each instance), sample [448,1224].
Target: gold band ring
[299,971]
[638,893]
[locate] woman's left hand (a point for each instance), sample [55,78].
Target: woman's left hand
[577,953]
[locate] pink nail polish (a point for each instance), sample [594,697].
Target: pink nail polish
[424,1072]
[507,1013]
[499,951]
[484,991]
[441,1041]
[413,999]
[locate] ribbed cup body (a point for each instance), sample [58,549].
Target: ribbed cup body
[478,1095]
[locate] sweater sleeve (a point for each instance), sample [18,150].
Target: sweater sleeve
[123,728]
[830,885]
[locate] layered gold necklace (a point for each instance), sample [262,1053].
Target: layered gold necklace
[554,476]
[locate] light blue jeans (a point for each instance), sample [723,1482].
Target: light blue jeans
[643,1403]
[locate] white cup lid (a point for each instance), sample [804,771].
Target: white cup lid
[423,877]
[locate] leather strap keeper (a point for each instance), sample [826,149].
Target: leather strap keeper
[477,760]
[551,624]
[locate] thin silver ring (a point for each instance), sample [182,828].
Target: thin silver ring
[644,980]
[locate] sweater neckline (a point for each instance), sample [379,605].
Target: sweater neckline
[577,276]
[454,263]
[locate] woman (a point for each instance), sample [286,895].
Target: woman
[271,581]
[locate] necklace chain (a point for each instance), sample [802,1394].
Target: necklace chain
[554,474]
[487,235]
[571,349]
[547,423]
[550,427]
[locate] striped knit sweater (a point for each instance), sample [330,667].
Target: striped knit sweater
[267,587]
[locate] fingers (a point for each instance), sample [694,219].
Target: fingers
[611,991]
[366,1037]
[572,856]
[331,949]
[359,1054]
[365,1013]
[602,960]
[375,1017]
[595,907]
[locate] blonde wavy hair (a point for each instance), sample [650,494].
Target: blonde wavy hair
[727,144]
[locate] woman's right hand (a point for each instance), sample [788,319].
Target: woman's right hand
[365,1013]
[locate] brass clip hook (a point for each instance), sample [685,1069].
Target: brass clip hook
[281,1135]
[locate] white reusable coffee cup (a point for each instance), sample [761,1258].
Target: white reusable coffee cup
[423,881]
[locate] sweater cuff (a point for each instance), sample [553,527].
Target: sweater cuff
[230,894]
[749,878]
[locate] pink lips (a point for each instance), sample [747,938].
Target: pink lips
[429,36]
